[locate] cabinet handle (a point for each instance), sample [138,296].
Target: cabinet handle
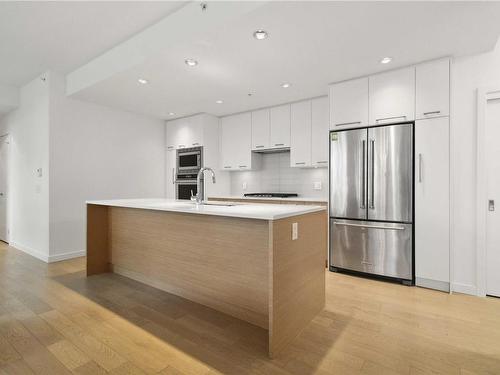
[243,166]
[348,123]
[170,147]
[419,167]
[227,166]
[182,146]
[390,118]
[301,163]
[259,146]
[173,176]
[196,144]
[432,113]
[279,144]
[322,162]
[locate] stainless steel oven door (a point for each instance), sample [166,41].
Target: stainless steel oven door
[188,160]
[372,247]
[184,190]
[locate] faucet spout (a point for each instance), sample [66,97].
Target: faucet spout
[200,184]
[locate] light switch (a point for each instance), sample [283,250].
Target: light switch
[244,185]
[39,172]
[317,185]
[295,231]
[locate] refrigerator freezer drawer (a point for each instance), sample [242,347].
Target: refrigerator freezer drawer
[372,247]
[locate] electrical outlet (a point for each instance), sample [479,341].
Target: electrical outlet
[244,185]
[317,185]
[295,231]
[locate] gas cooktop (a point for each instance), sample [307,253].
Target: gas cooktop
[272,195]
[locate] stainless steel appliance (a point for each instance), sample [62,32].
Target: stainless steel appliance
[189,159]
[371,201]
[189,163]
[271,195]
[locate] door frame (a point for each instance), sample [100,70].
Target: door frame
[483,95]
[7,219]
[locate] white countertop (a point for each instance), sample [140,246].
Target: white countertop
[242,210]
[298,199]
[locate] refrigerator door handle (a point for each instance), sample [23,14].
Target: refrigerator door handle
[419,168]
[368,226]
[363,174]
[372,175]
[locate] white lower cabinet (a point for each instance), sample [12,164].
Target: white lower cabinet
[432,203]
[300,139]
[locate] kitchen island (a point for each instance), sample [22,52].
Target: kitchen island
[243,259]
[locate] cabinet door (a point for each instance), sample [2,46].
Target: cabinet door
[280,126]
[195,131]
[319,132]
[171,162]
[433,89]
[349,104]
[171,140]
[260,129]
[392,96]
[236,151]
[300,142]
[432,204]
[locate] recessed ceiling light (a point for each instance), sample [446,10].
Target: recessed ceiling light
[191,62]
[260,34]
[386,60]
[285,85]
[143,81]
[171,113]
[219,101]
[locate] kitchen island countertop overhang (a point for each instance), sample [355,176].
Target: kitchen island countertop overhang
[262,263]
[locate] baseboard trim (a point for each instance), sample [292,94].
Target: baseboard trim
[433,284]
[464,288]
[30,251]
[66,256]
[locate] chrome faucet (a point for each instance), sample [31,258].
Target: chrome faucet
[200,184]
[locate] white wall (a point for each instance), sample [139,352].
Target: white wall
[97,153]
[28,203]
[467,74]
[276,176]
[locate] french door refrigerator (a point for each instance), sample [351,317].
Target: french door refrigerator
[371,201]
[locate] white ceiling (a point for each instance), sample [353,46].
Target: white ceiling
[310,45]
[37,36]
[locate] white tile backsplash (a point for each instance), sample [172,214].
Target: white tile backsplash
[276,176]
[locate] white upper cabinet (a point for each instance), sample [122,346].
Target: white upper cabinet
[433,89]
[261,129]
[185,132]
[392,96]
[300,143]
[280,126]
[349,104]
[235,151]
[319,132]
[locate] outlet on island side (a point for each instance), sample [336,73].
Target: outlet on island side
[244,185]
[295,231]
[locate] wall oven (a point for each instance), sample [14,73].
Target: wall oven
[185,189]
[189,159]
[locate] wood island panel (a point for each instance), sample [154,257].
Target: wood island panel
[297,280]
[98,256]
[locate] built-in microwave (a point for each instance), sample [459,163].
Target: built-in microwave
[189,159]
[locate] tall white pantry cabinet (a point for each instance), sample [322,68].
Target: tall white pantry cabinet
[422,94]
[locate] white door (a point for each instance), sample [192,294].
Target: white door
[4,152]
[319,132]
[349,104]
[260,129]
[300,141]
[493,189]
[432,203]
[280,126]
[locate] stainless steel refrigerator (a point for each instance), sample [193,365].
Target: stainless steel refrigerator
[371,201]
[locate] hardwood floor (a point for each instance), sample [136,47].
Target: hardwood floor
[54,320]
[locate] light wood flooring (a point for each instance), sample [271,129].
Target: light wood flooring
[54,320]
